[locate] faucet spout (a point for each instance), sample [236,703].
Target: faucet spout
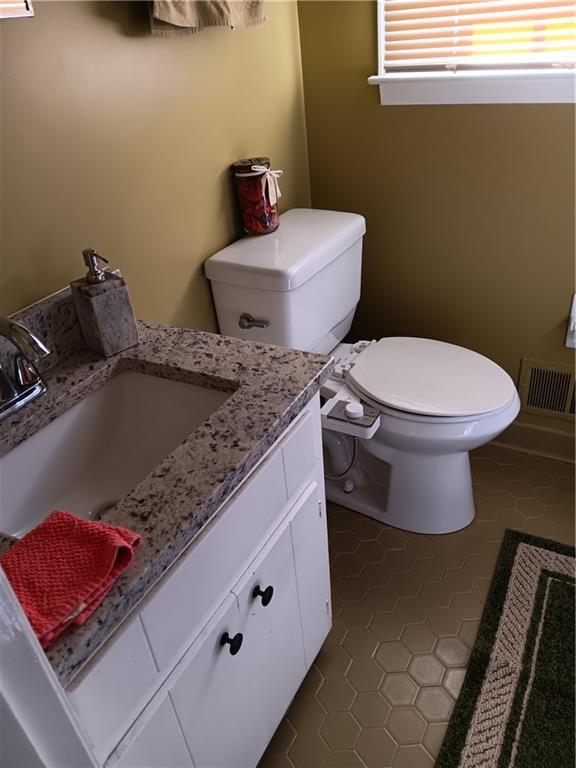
[27,384]
[27,342]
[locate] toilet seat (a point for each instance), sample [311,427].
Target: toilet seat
[429,378]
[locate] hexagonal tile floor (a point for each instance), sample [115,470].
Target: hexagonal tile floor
[406,610]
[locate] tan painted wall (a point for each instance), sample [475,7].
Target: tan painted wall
[469,209]
[118,141]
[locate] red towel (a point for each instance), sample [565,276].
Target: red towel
[62,570]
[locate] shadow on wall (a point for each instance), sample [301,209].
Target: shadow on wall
[131,18]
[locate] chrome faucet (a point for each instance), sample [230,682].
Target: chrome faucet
[27,384]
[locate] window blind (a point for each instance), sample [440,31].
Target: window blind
[477,34]
[10,9]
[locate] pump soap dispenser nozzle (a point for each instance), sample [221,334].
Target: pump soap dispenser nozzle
[103,307]
[91,258]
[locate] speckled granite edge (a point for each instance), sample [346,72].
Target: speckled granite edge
[269,386]
[54,320]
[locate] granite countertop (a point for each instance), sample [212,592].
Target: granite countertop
[269,386]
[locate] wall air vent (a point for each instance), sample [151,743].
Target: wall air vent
[547,388]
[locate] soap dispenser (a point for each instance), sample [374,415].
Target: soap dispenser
[103,307]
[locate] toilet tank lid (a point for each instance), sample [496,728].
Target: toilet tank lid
[306,241]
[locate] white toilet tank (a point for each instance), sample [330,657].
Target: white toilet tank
[302,280]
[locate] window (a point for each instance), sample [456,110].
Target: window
[10,9]
[476,51]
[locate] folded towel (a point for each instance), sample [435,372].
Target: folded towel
[169,18]
[62,570]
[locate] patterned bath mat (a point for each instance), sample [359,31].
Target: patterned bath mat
[516,707]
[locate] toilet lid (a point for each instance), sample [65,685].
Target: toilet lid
[430,378]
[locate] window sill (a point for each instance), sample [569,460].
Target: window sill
[558,87]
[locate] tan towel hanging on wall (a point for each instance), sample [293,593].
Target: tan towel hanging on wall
[183,17]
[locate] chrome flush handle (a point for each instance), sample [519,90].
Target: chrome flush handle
[246,321]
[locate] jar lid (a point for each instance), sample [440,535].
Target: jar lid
[245,166]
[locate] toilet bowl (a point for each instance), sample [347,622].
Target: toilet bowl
[432,401]
[415,470]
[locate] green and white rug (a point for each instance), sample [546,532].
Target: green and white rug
[516,707]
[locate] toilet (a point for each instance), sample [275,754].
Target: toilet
[399,414]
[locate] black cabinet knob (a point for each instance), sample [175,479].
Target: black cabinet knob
[266,595]
[235,642]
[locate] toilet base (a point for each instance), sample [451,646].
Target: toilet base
[423,493]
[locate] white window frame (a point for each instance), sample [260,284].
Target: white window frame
[16,9]
[526,86]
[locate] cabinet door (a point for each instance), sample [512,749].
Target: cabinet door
[310,545]
[159,743]
[271,622]
[215,697]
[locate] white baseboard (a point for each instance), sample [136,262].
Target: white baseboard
[541,441]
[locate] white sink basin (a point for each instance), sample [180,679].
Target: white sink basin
[91,456]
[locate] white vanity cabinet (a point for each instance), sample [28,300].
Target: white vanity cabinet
[268,600]
[215,698]
[158,742]
[224,674]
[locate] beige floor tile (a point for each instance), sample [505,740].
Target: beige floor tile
[406,725]
[308,750]
[311,682]
[306,713]
[481,588]
[466,606]
[351,588]
[468,631]
[399,689]
[437,594]
[406,613]
[399,561]
[426,670]
[360,643]
[376,747]
[453,680]
[433,737]
[278,760]
[565,534]
[443,621]
[452,652]
[386,626]
[365,675]
[371,551]
[345,542]
[413,757]
[282,739]
[367,529]
[434,704]
[340,730]
[381,599]
[337,633]
[333,661]
[350,564]
[394,538]
[530,507]
[457,580]
[371,710]
[418,638]
[336,694]
[412,610]
[357,615]
[346,758]
[421,547]
[538,527]
[378,574]
[405,585]
[393,657]
[431,569]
